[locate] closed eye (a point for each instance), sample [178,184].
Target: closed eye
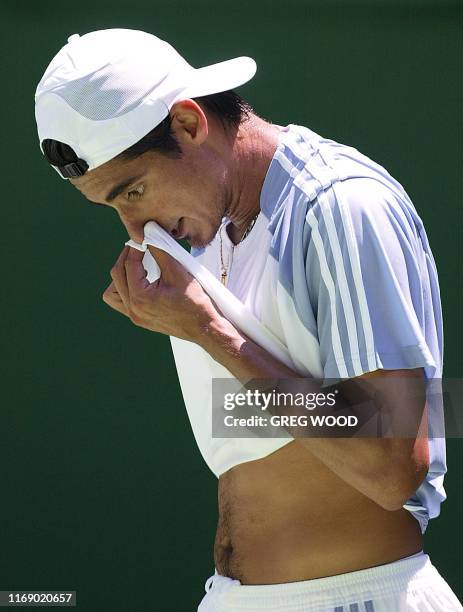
[135,194]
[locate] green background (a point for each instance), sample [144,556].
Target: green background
[103,488]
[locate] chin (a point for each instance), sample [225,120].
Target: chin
[199,242]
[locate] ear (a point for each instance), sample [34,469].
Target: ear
[189,123]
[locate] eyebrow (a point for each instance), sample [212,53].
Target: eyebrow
[118,189]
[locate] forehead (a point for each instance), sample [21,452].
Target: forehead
[97,183]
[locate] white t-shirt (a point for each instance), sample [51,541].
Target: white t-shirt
[339,268]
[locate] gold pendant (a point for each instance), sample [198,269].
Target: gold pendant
[223,277]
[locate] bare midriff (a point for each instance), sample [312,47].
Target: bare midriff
[287,518]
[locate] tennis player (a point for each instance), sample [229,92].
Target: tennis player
[326,249]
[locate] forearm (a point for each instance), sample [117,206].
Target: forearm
[240,355]
[377,467]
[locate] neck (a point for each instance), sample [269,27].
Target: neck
[253,149]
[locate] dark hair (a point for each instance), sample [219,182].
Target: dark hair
[228,106]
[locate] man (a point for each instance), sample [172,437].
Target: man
[325,248]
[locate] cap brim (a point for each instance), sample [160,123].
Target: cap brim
[221,77]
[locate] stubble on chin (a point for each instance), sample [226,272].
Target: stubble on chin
[201,243]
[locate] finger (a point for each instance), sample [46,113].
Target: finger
[119,277]
[112,298]
[118,307]
[135,272]
[171,270]
[111,292]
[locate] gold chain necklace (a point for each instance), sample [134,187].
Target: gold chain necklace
[223,268]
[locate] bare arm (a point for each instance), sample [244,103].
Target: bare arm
[387,470]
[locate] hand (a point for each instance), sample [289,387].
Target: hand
[112,298]
[175,304]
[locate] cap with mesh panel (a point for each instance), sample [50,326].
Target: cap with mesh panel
[105,90]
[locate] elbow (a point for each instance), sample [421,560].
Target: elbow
[399,487]
[393,501]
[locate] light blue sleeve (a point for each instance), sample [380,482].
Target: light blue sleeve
[372,281]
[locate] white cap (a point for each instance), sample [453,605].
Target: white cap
[105,90]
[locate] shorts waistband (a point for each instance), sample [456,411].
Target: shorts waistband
[367,583]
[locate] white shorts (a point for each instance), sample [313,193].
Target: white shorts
[411,584]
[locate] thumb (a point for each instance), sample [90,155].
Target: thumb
[171,270]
